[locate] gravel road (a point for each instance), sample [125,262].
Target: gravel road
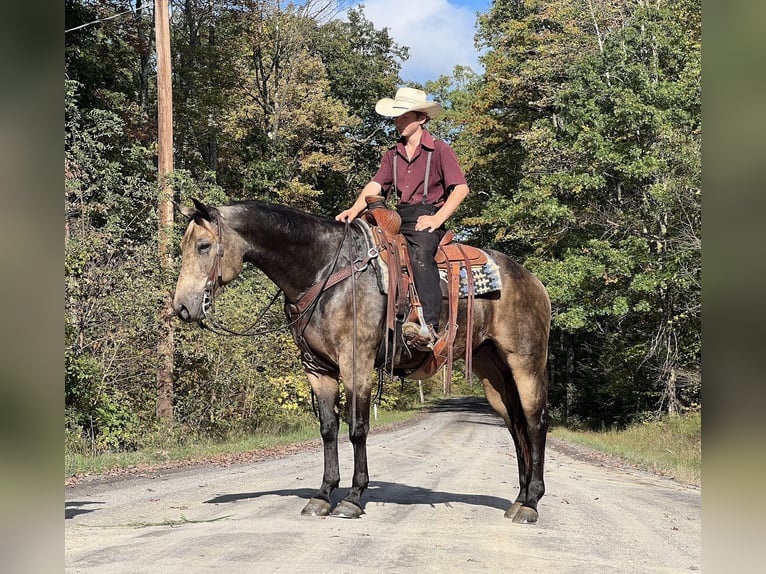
[438,490]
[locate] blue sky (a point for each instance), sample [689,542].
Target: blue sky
[439,33]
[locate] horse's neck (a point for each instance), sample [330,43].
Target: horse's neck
[294,254]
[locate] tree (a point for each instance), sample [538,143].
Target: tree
[280,102]
[361,64]
[591,123]
[110,278]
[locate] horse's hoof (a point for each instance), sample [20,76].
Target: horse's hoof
[524,515]
[346,509]
[316,507]
[513,510]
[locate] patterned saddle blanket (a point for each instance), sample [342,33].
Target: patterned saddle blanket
[486,278]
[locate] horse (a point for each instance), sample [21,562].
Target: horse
[344,328]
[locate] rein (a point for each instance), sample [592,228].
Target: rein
[301,309]
[220,329]
[214,277]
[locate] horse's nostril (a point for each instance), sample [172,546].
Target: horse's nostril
[183,312]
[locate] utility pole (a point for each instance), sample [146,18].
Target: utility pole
[165,345]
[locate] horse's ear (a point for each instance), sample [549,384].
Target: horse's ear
[202,210]
[187,212]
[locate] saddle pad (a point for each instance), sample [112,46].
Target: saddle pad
[486,278]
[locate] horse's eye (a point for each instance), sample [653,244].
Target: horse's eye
[203,247]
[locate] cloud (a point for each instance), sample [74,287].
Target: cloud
[439,34]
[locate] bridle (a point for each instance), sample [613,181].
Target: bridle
[214,280]
[301,309]
[215,276]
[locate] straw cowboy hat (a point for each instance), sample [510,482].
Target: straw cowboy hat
[408,100]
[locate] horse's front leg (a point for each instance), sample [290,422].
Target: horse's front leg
[327,397]
[358,398]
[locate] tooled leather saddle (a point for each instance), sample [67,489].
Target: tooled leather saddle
[403,303]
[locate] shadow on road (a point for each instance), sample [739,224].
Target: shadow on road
[382,493]
[469,406]
[73,508]
[478,405]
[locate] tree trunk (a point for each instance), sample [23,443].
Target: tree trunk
[670,390]
[144,42]
[569,386]
[165,346]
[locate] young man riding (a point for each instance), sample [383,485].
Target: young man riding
[430,185]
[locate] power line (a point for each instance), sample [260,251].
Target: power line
[98,21]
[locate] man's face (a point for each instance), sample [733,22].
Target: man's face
[408,123]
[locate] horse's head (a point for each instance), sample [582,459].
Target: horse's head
[209,260]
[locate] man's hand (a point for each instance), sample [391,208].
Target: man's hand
[427,223]
[346,215]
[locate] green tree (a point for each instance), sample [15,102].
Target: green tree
[361,64]
[632,124]
[589,172]
[111,283]
[257,114]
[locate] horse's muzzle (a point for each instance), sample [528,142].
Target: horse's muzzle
[188,311]
[182,312]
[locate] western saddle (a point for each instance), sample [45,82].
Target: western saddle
[403,303]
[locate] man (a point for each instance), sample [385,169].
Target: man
[423,205]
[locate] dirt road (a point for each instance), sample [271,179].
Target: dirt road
[438,491]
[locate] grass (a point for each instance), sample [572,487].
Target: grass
[172,451]
[671,446]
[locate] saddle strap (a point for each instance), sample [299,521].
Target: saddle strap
[394,252]
[298,316]
[452,305]
[469,316]
[305,300]
[311,362]
[442,351]
[394,292]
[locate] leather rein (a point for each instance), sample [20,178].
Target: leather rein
[299,312]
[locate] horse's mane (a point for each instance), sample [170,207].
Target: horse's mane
[291,221]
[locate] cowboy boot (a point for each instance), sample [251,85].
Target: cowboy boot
[420,336]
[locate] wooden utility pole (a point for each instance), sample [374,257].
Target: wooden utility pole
[165,346]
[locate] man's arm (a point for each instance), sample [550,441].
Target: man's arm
[432,222]
[372,188]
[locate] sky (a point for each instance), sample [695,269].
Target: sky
[439,33]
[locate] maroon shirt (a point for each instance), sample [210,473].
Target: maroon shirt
[445,172]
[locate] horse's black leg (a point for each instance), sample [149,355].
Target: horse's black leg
[327,395]
[525,419]
[531,420]
[359,427]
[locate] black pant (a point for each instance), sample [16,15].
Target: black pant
[422,247]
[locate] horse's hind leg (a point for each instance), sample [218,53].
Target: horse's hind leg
[521,401]
[531,383]
[327,397]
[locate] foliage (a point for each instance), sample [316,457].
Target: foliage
[581,143]
[108,261]
[288,117]
[592,140]
[257,114]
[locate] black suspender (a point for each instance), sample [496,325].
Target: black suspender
[428,171]
[425,182]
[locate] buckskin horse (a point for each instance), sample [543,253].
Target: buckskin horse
[344,327]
